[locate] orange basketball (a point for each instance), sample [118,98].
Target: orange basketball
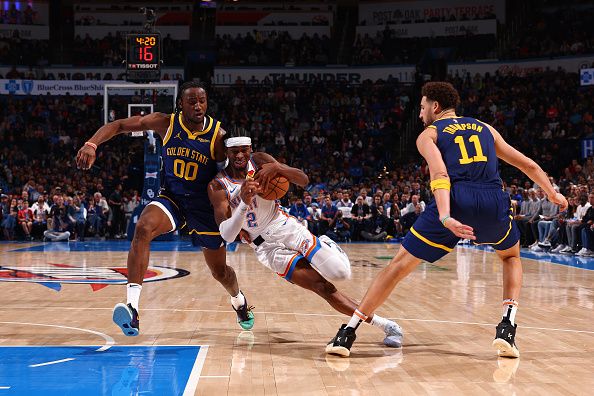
[277,188]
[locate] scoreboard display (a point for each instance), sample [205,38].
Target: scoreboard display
[143,57]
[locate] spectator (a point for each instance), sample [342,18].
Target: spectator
[25,220]
[360,215]
[328,214]
[574,226]
[339,229]
[299,211]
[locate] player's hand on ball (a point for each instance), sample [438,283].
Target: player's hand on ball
[265,173]
[85,157]
[560,200]
[459,229]
[248,191]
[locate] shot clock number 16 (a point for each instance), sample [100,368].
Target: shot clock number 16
[143,57]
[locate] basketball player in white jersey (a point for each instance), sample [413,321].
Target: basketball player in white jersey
[279,241]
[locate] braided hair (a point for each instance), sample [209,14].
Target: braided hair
[182,89]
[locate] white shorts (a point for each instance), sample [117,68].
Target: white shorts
[285,243]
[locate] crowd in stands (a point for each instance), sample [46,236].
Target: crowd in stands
[263,48]
[39,137]
[354,129]
[17,51]
[14,16]
[566,31]
[385,47]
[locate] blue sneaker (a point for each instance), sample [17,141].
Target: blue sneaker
[127,319]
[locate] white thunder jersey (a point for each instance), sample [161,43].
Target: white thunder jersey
[279,241]
[261,212]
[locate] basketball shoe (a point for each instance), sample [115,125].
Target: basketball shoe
[505,340]
[393,335]
[245,316]
[343,341]
[127,319]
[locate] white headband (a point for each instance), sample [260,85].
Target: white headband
[238,141]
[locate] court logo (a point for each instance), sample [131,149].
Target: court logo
[54,275]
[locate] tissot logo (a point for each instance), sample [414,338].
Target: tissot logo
[54,275]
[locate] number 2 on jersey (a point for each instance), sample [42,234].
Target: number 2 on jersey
[479,157]
[251,220]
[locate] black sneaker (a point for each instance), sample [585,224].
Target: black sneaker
[127,319]
[505,340]
[343,341]
[245,316]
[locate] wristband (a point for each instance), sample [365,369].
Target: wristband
[444,219]
[90,144]
[440,183]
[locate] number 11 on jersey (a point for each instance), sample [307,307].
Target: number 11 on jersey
[479,157]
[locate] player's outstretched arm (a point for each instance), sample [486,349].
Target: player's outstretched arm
[269,168]
[528,167]
[441,180]
[157,122]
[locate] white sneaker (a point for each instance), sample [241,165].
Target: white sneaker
[534,244]
[545,243]
[536,249]
[566,250]
[582,252]
[558,249]
[394,335]
[589,253]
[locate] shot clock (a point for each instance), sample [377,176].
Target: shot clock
[143,57]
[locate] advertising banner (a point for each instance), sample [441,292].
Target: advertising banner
[434,29]
[25,32]
[411,11]
[294,31]
[351,75]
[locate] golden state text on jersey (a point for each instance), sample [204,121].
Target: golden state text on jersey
[189,162]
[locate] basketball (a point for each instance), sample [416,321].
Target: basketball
[277,188]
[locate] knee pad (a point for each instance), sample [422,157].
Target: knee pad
[330,260]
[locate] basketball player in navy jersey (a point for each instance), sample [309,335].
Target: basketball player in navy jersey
[469,203]
[280,242]
[192,146]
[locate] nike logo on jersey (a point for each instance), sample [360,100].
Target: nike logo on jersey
[178,136]
[232,191]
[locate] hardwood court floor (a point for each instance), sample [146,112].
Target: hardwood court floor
[448,312]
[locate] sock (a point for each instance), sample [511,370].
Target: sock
[510,308]
[133,293]
[378,321]
[356,319]
[238,301]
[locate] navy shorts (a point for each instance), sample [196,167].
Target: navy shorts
[486,208]
[193,215]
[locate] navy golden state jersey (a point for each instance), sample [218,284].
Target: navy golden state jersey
[189,162]
[468,150]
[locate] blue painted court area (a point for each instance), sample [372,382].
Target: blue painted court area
[113,246]
[81,370]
